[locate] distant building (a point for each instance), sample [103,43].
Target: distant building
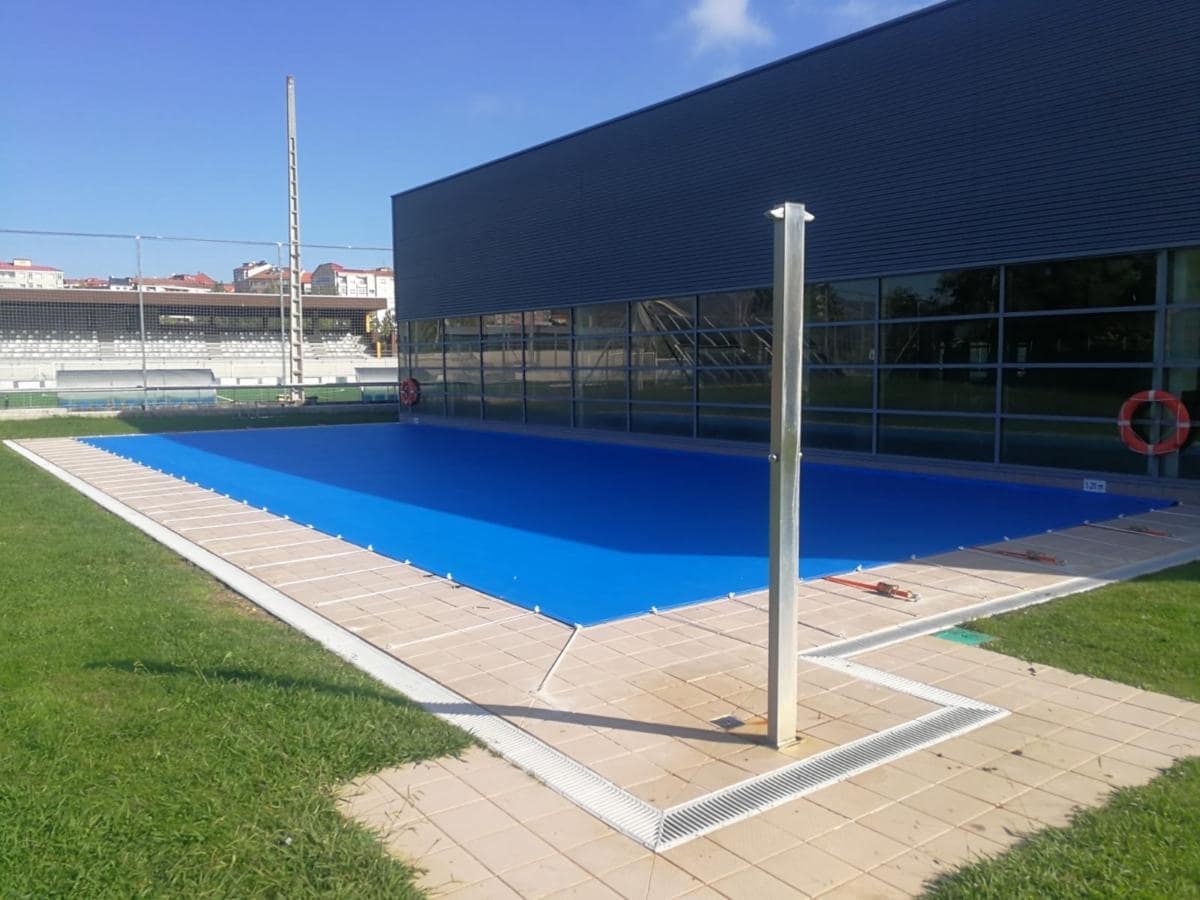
[90,283]
[331,278]
[22,273]
[263,278]
[178,283]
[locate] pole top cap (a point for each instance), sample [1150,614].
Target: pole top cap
[778,212]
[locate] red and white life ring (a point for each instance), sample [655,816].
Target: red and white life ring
[410,392]
[1134,441]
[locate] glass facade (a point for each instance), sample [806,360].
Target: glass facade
[1024,364]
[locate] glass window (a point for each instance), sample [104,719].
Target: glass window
[656,418]
[427,331]
[734,385]
[462,356]
[651,349]
[1108,337]
[736,309]
[958,293]
[670,314]
[733,423]
[941,390]
[662,384]
[596,384]
[1071,392]
[838,387]
[839,344]
[1183,335]
[734,348]
[608,416]
[1183,285]
[503,340]
[503,382]
[960,342]
[548,338]
[836,431]
[602,318]
[1068,445]
[1081,283]
[543,411]
[841,301]
[462,328]
[548,383]
[463,397]
[503,409]
[605,352]
[944,437]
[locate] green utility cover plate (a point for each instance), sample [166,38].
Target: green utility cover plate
[964,636]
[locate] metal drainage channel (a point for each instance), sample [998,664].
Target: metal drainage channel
[650,826]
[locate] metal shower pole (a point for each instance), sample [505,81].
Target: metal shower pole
[786,376]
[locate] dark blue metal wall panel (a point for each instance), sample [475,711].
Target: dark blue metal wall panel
[979,131]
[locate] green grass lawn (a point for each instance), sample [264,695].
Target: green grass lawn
[161,737]
[1146,841]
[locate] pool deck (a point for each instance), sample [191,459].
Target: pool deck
[620,717]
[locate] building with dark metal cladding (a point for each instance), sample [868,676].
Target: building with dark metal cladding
[1006,247]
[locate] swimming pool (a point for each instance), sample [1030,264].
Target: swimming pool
[590,531]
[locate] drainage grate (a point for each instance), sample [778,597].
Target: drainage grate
[705,814]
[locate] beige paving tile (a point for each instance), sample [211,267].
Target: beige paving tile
[1115,772]
[865,887]
[531,802]
[753,884]
[445,793]
[951,806]
[488,889]
[861,847]
[803,818]
[652,876]
[1002,826]
[890,782]
[754,839]
[545,877]
[1044,806]
[586,890]
[810,869]
[705,859]
[902,823]
[466,823]
[510,849]
[910,872]
[849,800]
[606,853]
[568,828]
[449,868]
[416,840]
[957,847]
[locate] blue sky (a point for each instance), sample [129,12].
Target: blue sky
[168,117]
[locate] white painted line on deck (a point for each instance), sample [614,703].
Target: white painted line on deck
[296,562]
[393,590]
[236,512]
[252,534]
[336,574]
[319,540]
[226,525]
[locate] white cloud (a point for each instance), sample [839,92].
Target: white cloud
[865,13]
[724,24]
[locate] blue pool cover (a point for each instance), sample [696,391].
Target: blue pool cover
[593,531]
